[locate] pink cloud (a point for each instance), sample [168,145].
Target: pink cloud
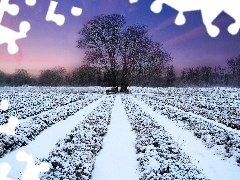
[193,33]
[162,25]
[18,56]
[190,34]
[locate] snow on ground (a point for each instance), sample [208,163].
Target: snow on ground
[212,165]
[45,141]
[117,160]
[207,120]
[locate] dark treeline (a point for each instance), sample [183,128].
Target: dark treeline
[81,76]
[85,75]
[208,76]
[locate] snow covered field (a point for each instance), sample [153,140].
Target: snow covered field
[151,133]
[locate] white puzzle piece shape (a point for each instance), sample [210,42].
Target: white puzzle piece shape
[31,171]
[30,2]
[4,170]
[4,105]
[209,9]
[7,35]
[76,11]
[11,126]
[59,19]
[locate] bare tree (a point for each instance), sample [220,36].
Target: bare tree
[124,54]
[234,66]
[21,77]
[86,76]
[52,77]
[100,38]
[170,76]
[134,47]
[3,78]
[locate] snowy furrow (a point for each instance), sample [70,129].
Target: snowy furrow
[212,165]
[117,160]
[27,131]
[159,156]
[30,104]
[223,141]
[27,101]
[218,104]
[51,110]
[74,156]
[48,140]
[156,99]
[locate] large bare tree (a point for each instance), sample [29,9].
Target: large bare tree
[100,38]
[124,53]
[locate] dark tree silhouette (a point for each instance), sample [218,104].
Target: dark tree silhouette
[134,48]
[21,77]
[3,78]
[170,76]
[100,38]
[124,54]
[234,66]
[86,76]
[52,77]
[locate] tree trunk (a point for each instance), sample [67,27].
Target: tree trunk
[114,79]
[124,85]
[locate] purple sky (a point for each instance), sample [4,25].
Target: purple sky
[49,45]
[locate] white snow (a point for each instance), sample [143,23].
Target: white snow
[117,160]
[212,165]
[208,120]
[45,141]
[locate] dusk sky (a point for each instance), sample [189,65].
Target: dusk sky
[48,45]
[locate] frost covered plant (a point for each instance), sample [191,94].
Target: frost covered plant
[209,133]
[74,155]
[238,160]
[27,131]
[158,155]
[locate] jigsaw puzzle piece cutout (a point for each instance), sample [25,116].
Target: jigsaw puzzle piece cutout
[178,5]
[232,9]
[209,9]
[9,36]
[11,126]
[4,170]
[12,9]
[76,11]
[156,7]
[59,19]
[31,171]
[4,105]
[133,1]
[30,2]
[180,19]
[208,16]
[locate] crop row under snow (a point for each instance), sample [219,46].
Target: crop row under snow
[219,104]
[74,155]
[28,130]
[158,155]
[26,103]
[225,142]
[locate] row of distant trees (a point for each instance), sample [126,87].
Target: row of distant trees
[81,76]
[48,77]
[86,75]
[119,55]
[212,76]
